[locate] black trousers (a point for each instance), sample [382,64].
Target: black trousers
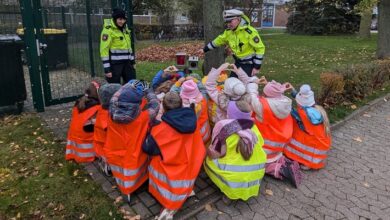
[246,67]
[125,70]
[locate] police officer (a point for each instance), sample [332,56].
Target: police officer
[243,40]
[115,49]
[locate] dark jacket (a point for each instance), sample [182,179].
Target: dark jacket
[183,120]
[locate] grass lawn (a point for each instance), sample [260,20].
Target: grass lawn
[36,182]
[291,58]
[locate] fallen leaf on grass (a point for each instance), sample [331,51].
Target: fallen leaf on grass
[269,192]
[110,213]
[118,199]
[358,139]
[51,174]
[208,207]
[82,216]
[61,207]
[353,107]
[76,172]
[137,217]
[367,115]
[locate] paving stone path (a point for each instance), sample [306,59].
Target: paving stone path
[354,185]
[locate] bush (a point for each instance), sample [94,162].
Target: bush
[353,83]
[331,89]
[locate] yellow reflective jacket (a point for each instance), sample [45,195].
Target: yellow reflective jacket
[115,45]
[244,42]
[234,176]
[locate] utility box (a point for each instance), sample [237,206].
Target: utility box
[12,84]
[57,47]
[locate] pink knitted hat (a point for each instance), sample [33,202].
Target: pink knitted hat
[274,89]
[190,93]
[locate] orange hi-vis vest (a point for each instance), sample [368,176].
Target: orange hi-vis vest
[309,148]
[79,144]
[203,122]
[124,152]
[172,175]
[100,132]
[276,132]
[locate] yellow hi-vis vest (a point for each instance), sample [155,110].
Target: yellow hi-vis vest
[115,45]
[244,42]
[235,177]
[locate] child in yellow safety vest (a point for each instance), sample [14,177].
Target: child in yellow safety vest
[235,159]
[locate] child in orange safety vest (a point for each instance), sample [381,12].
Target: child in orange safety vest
[173,172]
[311,137]
[105,93]
[130,114]
[79,144]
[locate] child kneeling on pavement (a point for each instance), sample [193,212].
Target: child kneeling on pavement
[235,159]
[311,137]
[179,154]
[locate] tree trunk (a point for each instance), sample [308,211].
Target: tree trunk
[365,23]
[213,26]
[383,49]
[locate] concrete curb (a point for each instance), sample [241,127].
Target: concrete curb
[361,111]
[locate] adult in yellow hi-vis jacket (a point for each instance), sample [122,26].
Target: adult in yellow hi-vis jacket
[115,49]
[243,40]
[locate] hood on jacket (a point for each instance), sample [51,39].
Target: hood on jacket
[182,120]
[281,107]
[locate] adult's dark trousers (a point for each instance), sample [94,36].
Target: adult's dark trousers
[246,67]
[124,70]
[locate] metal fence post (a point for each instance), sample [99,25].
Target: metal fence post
[63,17]
[32,52]
[45,18]
[130,22]
[90,48]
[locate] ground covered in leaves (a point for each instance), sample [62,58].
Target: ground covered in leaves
[37,183]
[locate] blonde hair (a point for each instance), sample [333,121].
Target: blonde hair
[325,118]
[245,150]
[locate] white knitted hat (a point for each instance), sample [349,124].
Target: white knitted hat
[305,96]
[234,88]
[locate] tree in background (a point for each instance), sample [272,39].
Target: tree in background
[213,26]
[322,17]
[364,8]
[383,49]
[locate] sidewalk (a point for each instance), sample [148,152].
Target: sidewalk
[354,185]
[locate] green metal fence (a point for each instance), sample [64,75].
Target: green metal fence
[61,43]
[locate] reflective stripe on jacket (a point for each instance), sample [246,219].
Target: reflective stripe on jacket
[115,45]
[172,175]
[309,148]
[244,42]
[276,132]
[124,153]
[234,176]
[79,145]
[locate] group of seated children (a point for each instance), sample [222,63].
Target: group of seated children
[165,132]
